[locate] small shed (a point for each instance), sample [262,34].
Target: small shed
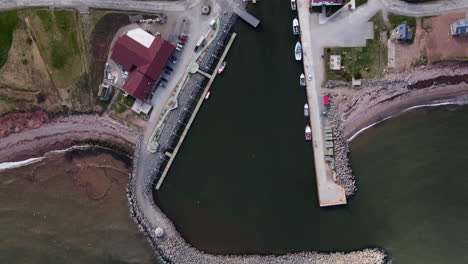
[459,27]
[326,100]
[403,32]
[335,62]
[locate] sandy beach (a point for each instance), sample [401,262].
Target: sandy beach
[65,132]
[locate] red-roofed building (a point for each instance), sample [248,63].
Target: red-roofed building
[144,56]
[325,2]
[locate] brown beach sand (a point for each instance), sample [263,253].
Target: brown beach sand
[62,133]
[378,104]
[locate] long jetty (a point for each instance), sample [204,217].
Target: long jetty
[197,108]
[329,192]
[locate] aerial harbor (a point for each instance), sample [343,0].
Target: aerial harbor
[231,131]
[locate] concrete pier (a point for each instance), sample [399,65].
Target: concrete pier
[329,192]
[246,16]
[200,101]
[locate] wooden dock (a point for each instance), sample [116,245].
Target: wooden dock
[189,123]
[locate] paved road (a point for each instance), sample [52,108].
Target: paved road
[144,6]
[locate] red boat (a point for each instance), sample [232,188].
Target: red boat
[308,133]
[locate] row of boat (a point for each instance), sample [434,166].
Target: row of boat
[302,82]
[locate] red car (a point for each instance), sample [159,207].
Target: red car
[182,38]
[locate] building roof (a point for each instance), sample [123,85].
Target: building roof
[325,2]
[144,64]
[403,32]
[326,100]
[335,62]
[459,27]
[141,36]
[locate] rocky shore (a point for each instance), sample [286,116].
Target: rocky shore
[64,132]
[377,100]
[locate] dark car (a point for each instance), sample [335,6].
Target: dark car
[174,58]
[169,68]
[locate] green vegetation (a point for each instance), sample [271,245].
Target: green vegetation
[396,20]
[8,22]
[366,62]
[60,27]
[122,103]
[360,2]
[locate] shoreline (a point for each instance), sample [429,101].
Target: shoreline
[404,111]
[65,132]
[361,119]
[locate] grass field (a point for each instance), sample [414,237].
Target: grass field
[8,22]
[361,62]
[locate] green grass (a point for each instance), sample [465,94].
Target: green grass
[122,103]
[8,22]
[360,2]
[396,20]
[61,28]
[368,61]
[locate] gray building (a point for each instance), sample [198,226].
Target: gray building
[459,27]
[403,32]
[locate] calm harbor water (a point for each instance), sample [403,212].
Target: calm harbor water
[69,208]
[244,178]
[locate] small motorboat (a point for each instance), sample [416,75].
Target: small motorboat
[308,133]
[306,110]
[302,80]
[221,69]
[207,96]
[296,26]
[298,51]
[293,4]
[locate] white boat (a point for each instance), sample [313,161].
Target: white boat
[221,69]
[293,4]
[306,110]
[296,26]
[308,133]
[207,96]
[298,51]
[302,80]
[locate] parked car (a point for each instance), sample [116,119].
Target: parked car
[178,49]
[174,58]
[163,79]
[182,38]
[169,68]
[180,46]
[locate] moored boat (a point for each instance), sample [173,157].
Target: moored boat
[308,133]
[296,26]
[293,4]
[207,95]
[298,51]
[306,110]
[302,80]
[221,69]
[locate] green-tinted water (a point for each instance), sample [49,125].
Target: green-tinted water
[244,178]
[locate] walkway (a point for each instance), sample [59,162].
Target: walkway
[194,114]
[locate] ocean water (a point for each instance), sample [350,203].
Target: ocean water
[243,181]
[69,208]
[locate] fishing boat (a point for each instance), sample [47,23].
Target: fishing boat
[308,133]
[296,26]
[302,80]
[306,110]
[293,4]
[221,69]
[298,51]
[207,95]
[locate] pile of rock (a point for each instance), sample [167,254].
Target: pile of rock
[344,174]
